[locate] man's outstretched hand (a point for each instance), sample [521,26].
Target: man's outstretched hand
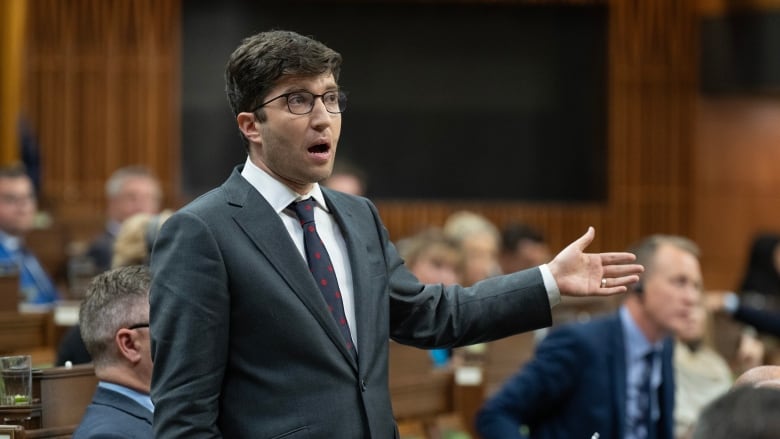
[593,274]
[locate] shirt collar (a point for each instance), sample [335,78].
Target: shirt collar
[278,195]
[637,345]
[141,398]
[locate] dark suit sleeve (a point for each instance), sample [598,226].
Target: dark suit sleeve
[189,324]
[763,320]
[438,316]
[538,390]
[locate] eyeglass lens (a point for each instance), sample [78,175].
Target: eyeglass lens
[302,102]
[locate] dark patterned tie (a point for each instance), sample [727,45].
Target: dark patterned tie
[643,424]
[321,267]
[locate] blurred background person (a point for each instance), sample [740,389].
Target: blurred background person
[522,246]
[612,375]
[478,239]
[133,246]
[348,178]
[756,302]
[760,285]
[135,240]
[745,413]
[129,190]
[114,319]
[18,207]
[434,259]
[701,374]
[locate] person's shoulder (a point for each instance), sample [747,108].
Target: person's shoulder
[596,329]
[108,422]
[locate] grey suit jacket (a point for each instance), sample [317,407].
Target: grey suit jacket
[113,415]
[244,347]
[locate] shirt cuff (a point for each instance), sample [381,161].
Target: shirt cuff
[553,293]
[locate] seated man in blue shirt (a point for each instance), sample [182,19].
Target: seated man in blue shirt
[114,321]
[613,375]
[18,208]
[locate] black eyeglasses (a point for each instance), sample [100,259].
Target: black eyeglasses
[138,326]
[302,102]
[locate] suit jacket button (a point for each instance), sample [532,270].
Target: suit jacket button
[363,385]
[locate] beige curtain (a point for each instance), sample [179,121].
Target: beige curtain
[12,20]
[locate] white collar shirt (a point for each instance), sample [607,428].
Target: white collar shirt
[279,196]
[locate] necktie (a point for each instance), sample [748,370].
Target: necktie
[322,268]
[643,424]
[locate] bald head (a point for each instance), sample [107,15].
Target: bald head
[760,376]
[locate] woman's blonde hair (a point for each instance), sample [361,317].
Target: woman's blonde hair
[134,241]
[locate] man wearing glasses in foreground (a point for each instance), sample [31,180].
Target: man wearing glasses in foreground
[274,299]
[114,323]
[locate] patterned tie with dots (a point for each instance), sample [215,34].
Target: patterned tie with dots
[321,267]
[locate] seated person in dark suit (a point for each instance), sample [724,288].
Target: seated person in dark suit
[114,321]
[129,190]
[613,375]
[133,247]
[18,207]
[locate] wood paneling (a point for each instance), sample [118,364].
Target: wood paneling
[12,20]
[652,91]
[102,92]
[737,184]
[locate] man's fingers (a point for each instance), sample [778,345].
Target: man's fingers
[611,291]
[622,270]
[617,258]
[620,281]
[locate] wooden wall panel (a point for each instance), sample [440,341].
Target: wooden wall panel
[738,183]
[102,92]
[12,21]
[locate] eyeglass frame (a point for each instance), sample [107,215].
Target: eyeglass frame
[138,326]
[342,97]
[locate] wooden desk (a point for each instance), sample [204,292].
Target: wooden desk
[60,398]
[64,393]
[22,331]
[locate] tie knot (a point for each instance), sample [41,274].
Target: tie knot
[305,210]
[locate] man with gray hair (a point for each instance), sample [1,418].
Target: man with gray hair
[611,377]
[114,321]
[130,190]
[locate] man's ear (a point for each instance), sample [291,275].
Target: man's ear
[249,126]
[126,342]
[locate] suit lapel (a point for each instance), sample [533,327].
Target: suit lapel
[265,229]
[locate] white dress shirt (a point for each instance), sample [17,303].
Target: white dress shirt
[279,196]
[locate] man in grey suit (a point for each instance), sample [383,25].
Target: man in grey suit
[247,343]
[114,322]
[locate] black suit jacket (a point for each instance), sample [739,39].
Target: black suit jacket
[101,251]
[244,346]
